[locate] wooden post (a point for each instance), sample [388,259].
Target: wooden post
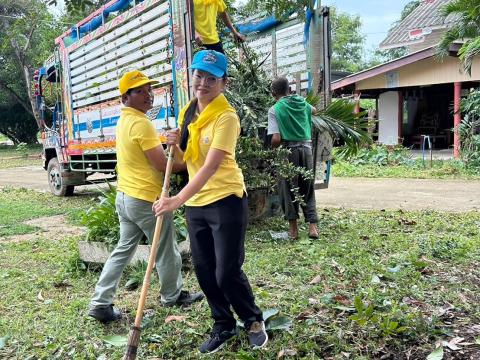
[298,83]
[457,118]
[356,98]
[315,50]
[274,53]
[400,118]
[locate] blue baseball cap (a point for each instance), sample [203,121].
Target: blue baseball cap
[210,61]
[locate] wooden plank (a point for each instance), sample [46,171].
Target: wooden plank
[119,31]
[114,94]
[79,91]
[127,61]
[153,28]
[96,252]
[117,73]
[134,51]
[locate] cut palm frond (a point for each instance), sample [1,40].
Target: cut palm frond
[344,125]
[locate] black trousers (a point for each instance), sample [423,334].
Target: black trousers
[217,47]
[217,236]
[299,156]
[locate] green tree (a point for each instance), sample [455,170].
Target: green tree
[347,41]
[466,28]
[27,31]
[381,56]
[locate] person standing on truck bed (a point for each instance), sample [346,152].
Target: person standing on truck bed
[140,162]
[205,18]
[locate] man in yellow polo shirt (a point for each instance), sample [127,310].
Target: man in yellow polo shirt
[141,162]
[205,15]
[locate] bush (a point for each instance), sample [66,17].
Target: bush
[103,226]
[18,125]
[469,130]
[381,155]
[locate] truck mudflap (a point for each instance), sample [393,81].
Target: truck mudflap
[72,177]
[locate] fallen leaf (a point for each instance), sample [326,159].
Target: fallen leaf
[3,341]
[305,314]
[444,309]
[477,341]
[395,269]
[279,323]
[406,222]
[40,296]
[452,344]
[436,354]
[317,279]
[313,301]
[341,300]
[115,340]
[174,318]
[375,280]
[267,314]
[286,352]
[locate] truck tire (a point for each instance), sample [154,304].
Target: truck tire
[55,181]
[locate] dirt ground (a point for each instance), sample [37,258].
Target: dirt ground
[353,193]
[52,227]
[406,194]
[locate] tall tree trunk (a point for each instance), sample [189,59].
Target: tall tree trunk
[20,56]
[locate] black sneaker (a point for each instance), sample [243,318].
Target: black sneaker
[105,314]
[257,336]
[185,299]
[216,341]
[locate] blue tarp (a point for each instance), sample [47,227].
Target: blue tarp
[96,22]
[258,26]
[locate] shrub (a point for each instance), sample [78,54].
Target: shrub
[381,155]
[102,222]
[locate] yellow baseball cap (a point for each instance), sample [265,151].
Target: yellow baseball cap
[133,79]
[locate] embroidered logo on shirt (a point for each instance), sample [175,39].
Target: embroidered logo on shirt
[206,140]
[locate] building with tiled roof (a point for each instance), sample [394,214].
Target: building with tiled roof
[421,29]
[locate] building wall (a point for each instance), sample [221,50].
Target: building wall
[424,72]
[388,118]
[432,39]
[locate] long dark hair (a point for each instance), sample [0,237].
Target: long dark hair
[189,114]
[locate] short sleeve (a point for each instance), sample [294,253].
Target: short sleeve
[221,6]
[143,132]
[226,132]
[272,122]
[312,109]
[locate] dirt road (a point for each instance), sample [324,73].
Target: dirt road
[407,194]
[355,193]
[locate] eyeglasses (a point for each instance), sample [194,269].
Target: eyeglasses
[208,81]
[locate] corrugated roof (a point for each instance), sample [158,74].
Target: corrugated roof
[420,23]
[383,68]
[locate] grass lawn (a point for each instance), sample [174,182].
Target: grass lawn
[11,156]
[376,285]
[440,169]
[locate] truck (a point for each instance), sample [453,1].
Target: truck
[77,87]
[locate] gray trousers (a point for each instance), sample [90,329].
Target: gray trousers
[136,220]
[300,156]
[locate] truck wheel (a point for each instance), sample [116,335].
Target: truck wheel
[54,173]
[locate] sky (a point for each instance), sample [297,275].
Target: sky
[376,15]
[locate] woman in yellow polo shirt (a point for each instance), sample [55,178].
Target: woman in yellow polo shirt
[216,203]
